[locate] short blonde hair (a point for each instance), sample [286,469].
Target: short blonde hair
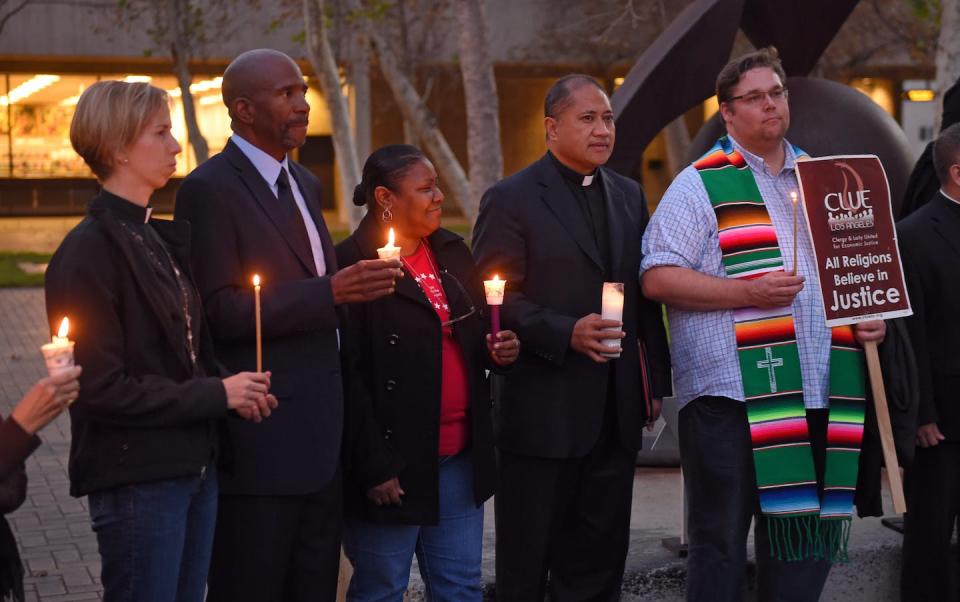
[109,117]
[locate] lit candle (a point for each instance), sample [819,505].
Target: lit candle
[58,353]
[494,292]
[256,303]
[611,308]
[796,243]
[389,251]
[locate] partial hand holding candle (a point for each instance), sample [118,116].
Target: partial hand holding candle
[389,251]
[58,354]
[494,292]
[256,303]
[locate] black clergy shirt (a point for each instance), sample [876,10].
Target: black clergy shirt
[592,205]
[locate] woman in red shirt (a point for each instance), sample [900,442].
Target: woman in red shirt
[420,459]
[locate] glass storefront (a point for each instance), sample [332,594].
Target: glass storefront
[36,109]
[41,174]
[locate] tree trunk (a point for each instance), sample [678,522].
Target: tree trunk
[677,140]
[358,76]
[321,57]
[948,50]
[484,154]
[423,122]
[180,52]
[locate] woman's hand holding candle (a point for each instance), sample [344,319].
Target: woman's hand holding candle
[506,349]
[47,399]
[248,394]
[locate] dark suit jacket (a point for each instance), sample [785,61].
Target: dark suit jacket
[532,232]
[239,229]
[394,377]
[930,247]
[142,415]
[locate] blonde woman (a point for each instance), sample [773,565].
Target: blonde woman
[146,421]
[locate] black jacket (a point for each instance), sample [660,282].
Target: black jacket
[930,248]
[532,232]
[394,374]
[140,416]
[239,229]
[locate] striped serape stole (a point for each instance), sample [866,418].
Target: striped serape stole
[801,525]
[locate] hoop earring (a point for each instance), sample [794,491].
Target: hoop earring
[387,216]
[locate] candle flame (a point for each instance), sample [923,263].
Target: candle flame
[390,238]
[64,328]
[256,280]
[793,197]
[496,277]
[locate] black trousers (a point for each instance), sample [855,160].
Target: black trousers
[277,548]
[564,519]
[721,488]
[929,570]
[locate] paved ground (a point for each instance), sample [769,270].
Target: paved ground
[60,550]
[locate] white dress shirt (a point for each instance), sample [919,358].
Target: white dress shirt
[269,169]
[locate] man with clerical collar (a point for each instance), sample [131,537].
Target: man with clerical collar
[752,354]
[569,418]
[930,247]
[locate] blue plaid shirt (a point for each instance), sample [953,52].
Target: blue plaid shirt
[683,232]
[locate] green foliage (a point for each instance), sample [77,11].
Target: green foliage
[11,275]
[925,9]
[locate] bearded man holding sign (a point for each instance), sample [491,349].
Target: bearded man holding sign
[758,373]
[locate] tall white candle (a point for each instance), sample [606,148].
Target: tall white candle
[58,353]
[611,308]
[256,309]
[796,244]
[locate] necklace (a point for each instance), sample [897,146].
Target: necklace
[429,281]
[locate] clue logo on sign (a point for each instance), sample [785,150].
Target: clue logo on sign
[849,209]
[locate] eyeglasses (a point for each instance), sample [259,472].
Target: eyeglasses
[754,98]
[472,308]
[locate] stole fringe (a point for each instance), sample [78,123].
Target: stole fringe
[796,538]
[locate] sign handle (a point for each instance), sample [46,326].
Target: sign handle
[883,423]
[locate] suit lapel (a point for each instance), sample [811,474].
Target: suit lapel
[561,202]
[946,223]
[616,220]
[289,229]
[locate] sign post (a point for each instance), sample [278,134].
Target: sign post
[846,202]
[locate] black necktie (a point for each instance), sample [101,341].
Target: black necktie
[288,206]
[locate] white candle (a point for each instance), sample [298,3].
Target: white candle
[389,251]
[611,308]
[58,353]
[494,290]
[256,303]
[796,244]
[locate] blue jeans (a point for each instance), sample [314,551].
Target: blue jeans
[448,554]
[155,538]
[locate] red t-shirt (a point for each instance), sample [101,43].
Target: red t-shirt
[454,388]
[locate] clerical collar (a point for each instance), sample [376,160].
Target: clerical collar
[572,176]
[949,198]
[121,207]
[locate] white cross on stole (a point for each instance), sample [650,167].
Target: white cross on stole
[770,365]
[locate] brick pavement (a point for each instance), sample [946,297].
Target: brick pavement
[58,548]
